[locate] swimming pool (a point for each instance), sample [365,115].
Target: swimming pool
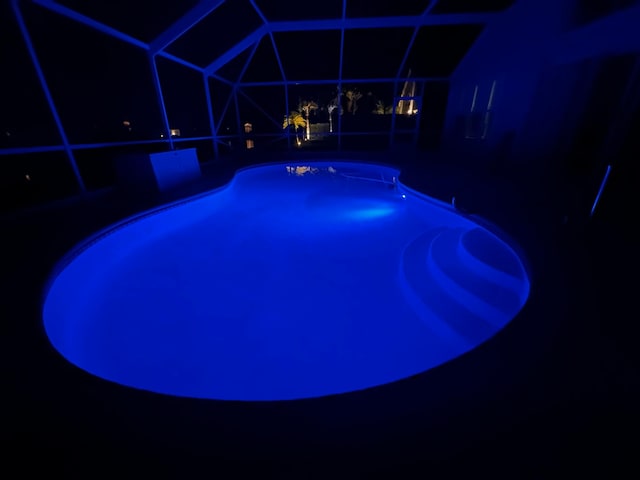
[293,281]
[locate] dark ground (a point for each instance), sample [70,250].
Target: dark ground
[554,394]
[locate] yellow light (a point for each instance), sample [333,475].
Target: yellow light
[302,170]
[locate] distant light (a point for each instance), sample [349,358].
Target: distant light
[28,177]
[175,132]
[404,196]
[302,170]
[162,135]
[126,123]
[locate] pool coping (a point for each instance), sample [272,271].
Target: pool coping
[106,232]
[492,385]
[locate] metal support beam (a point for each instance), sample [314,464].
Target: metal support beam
[182,25]
[236,50]
[419,116]
[160,98]
[47,93]
[89,22]
[221,79]
[345,24]
[262,110]
[238,120]
[89,146]
[247,63]
[284,83]
[175,59]
[339,92]
[325,81]
[226,107]
[426,12]
[406,53]
[600,190]
[383,22]
[233,95]
[23,150]
[112,32]
[259,12]
[212,123]
[394,103]
[278,59]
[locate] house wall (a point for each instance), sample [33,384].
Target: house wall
[544,69]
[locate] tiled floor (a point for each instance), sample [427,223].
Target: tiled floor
[554,393]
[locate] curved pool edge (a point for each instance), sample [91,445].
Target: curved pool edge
[101,233]
[104,232]
[482,222]
[83,245]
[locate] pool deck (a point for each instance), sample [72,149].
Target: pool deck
[554,393]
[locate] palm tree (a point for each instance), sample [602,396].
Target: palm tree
[330,108]
[307,106]
[352,100]
[295,120]
[382,109]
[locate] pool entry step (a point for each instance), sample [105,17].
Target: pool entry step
[464,284]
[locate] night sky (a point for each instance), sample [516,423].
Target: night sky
[98,82]
[104,91]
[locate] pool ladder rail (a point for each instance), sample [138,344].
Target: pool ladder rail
[392,183]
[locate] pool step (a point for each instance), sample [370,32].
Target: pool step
[488,257]
[487,248]
[495,300]
[443,313]
[464,284]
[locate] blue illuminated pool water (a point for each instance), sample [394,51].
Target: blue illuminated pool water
[290,282]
